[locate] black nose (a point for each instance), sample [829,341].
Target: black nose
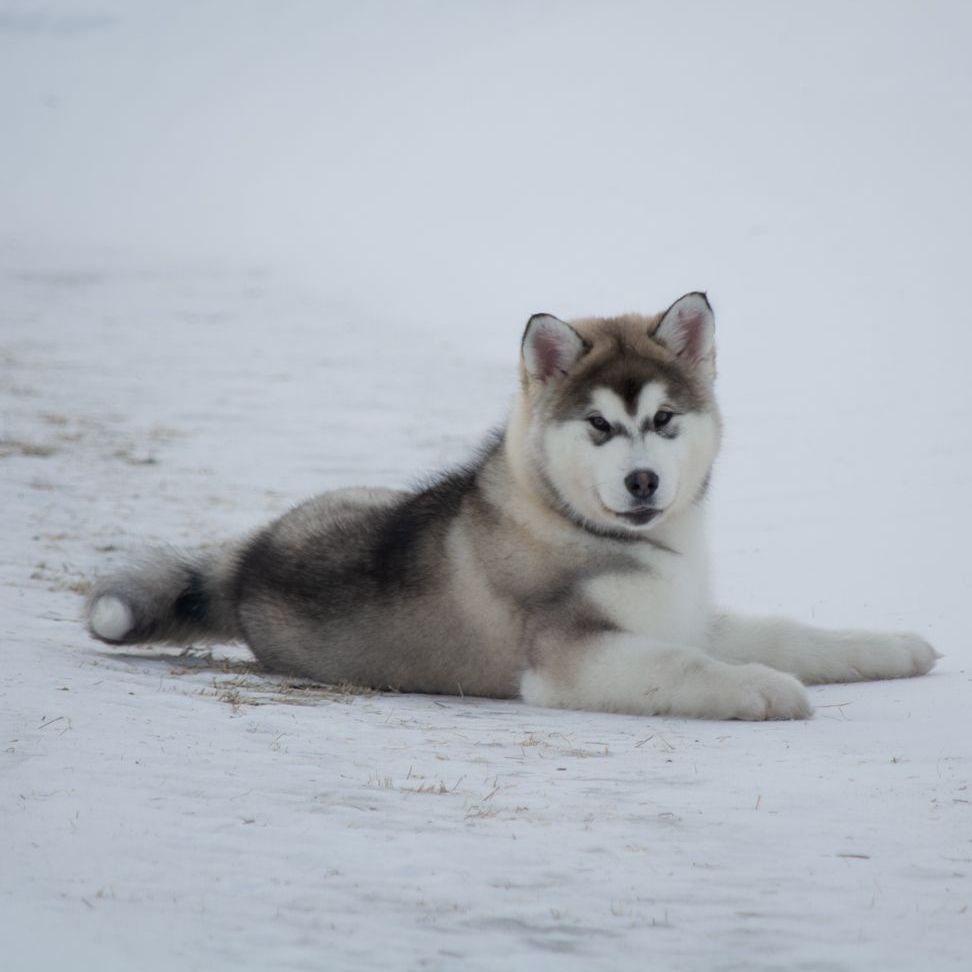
[641,483]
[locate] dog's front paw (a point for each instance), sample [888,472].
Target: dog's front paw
[764,693]
[890,655]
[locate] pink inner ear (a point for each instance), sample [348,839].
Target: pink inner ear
[690,328]
[549,353]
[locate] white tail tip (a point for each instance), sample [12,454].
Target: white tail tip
[111,618]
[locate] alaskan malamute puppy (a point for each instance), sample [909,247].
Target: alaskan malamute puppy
[566,565]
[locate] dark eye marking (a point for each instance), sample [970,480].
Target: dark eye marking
[662,418]
[659,422]
[599,423]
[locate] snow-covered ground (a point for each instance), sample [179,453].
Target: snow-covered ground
[253,251]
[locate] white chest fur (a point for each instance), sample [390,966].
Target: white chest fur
[669,600]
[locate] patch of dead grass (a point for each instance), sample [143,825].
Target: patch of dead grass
[240,682]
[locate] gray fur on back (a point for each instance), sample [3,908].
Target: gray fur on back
[432,591]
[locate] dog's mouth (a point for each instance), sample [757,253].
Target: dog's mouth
[633,516]
[638,517]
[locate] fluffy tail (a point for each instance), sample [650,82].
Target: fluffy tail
[168,596]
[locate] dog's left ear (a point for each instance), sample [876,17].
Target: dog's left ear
[687,329]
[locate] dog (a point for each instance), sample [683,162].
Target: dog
[566,565]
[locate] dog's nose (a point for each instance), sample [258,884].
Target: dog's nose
[641,483]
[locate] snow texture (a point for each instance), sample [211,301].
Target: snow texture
[250,252]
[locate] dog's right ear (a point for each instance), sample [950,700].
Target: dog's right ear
[550,347]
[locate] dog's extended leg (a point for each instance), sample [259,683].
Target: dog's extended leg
[625,673]
[816,656]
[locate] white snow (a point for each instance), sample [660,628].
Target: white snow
[249,252]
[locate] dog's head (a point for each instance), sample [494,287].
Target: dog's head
[620,415]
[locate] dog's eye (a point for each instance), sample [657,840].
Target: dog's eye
[599,423]
[662,418]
